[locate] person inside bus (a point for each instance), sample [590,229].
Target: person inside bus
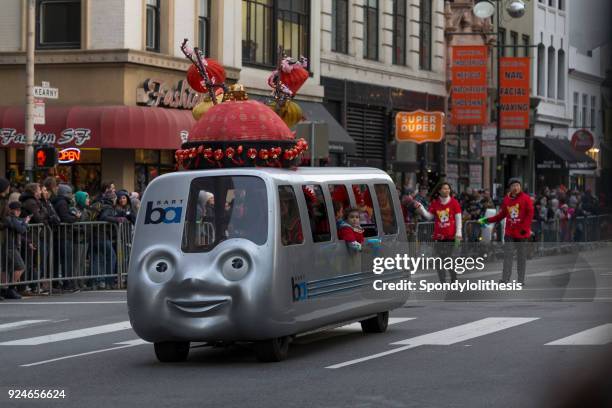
[350,230]
[338,214]
[291,227]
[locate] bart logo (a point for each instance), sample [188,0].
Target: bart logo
[165,214]
[514,211]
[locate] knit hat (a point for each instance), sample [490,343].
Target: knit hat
[122,193]
[15,205]
[81,197]
[64,190]
[514,180]
[4,184]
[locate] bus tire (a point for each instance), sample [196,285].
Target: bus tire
[272,350]
[172,351]
[376,324]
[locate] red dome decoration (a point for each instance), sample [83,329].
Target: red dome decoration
[240,121]
[215,71]
[294,79]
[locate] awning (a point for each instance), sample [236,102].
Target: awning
[559,153]
[339,139]
[110,127]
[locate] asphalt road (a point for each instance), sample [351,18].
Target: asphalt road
[453,350]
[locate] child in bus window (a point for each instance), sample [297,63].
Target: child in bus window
[350,230]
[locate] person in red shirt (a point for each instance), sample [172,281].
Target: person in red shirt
[517,209]
[446,213]
[349,229]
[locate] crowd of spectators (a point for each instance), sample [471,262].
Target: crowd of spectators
[50,204]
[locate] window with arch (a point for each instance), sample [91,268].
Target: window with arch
[541,70]
[552,84]
[561,75]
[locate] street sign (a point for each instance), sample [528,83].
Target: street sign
[45,92]
[39,112]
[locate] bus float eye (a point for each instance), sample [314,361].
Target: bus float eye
[235,267]
[160,269]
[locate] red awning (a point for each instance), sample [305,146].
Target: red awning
[110,127]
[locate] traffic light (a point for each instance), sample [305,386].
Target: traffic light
[45,157]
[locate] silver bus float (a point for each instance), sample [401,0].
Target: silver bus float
[253,255]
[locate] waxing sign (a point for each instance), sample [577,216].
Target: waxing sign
[514,92]
[419,126]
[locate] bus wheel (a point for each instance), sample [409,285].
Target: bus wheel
[172,351]
[376,324]
[272,350]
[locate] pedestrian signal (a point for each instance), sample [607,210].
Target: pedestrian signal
[45,157]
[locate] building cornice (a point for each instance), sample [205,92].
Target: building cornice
[121,56]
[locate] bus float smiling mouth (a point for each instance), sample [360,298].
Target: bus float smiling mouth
[197,307]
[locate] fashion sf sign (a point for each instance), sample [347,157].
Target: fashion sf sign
[78,136]
[157,93]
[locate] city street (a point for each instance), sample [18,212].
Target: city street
[525,349]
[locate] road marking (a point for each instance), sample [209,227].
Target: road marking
[17,325]
[122,345]
[69,335]
[592,337]
[448,336]
[102,302]
[342,331]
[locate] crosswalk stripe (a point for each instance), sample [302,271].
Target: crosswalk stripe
[466,331]
[595,336]
[448,336]
[69,335]
[16,325]
[342,330]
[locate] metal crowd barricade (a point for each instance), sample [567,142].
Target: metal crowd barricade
[25,258]
[125,234]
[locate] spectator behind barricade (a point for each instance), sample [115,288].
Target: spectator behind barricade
[32,206]
[50,183]
[15,233]
[4,192]
[135,201]
[64,206]
[123,206]
[421,197]
[82,201]
[350,230]
[104,258]
[45,201]
[486,201]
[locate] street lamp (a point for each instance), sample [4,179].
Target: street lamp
[485,9]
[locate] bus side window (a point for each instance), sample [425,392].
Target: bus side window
[317,212]
[387,213]
[340,200]
[367,219]
[291,224]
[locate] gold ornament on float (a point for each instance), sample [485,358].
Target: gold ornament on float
[290,112]
[203,107]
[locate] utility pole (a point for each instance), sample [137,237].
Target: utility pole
[29,114]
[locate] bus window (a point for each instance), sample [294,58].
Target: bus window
[363,199]
[317,212]
[385,201]
[291,225]
[340,200]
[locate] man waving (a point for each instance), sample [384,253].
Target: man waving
[517,209]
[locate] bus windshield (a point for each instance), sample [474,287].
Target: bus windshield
[224,207]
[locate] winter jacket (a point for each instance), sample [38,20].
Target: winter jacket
[352,235]
[16,228]
[63,209]
[518,212]
[108,212]
[32,206]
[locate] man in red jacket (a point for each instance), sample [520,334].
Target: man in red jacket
[517,209]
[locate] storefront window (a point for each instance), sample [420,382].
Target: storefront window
[149,164]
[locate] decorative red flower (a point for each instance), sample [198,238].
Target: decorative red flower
[208,153]
[239,150]
[263,154]
[215,71]
[200,149]
[229,152]
[252,153]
